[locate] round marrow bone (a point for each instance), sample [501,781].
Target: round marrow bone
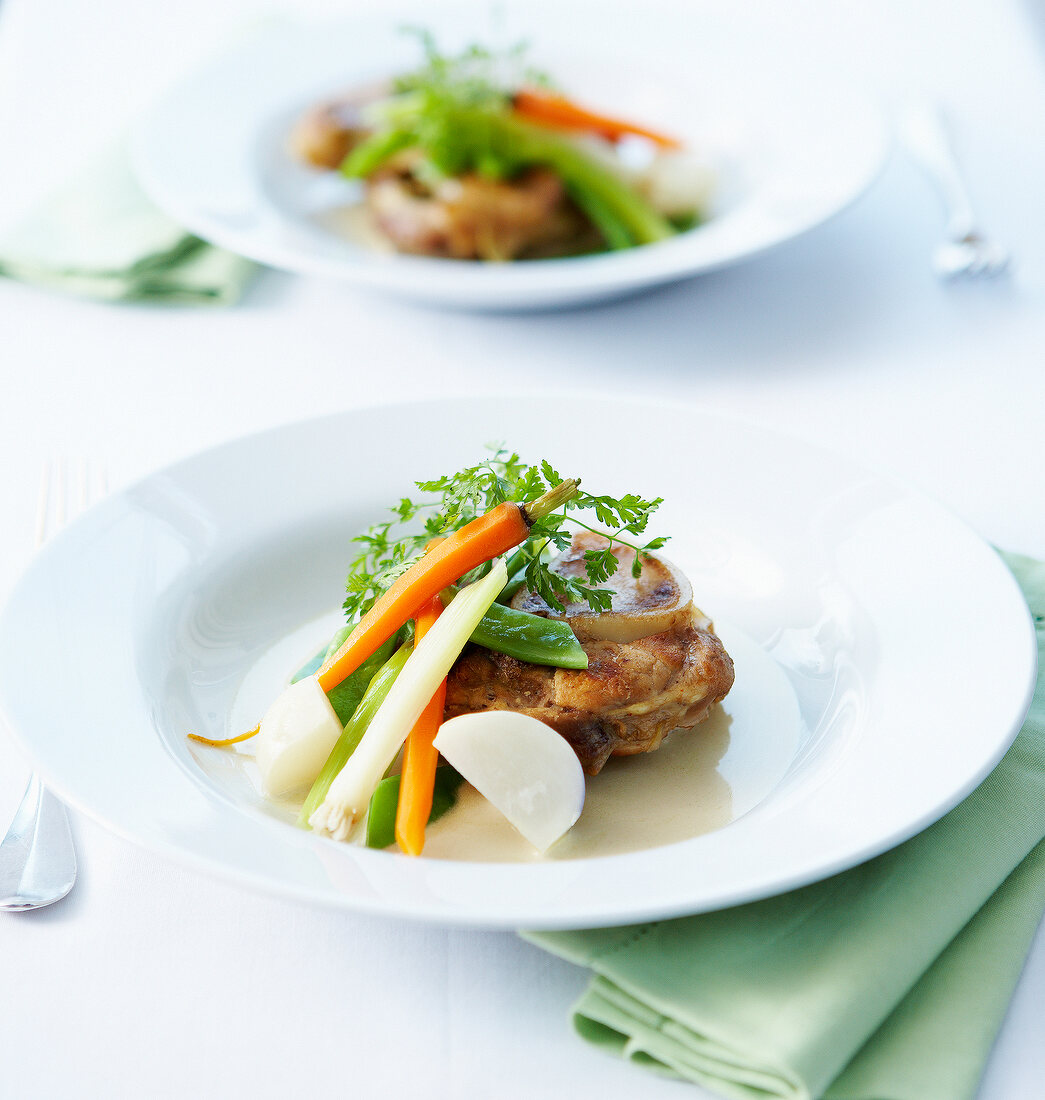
[659,599]
[654,665]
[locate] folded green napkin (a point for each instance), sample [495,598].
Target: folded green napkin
[886,982]
[102,238]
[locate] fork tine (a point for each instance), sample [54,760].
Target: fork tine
[83,484]
[60,488]
[67,488]
[43,504]
[998,262]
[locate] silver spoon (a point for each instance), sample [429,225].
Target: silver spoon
[37,857]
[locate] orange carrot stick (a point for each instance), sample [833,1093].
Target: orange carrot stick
[420,756]
[550,109]
[483,538]
[225,741]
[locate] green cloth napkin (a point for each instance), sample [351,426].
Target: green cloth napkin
[886,982]
[102,238]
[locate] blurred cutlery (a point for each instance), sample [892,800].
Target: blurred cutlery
[964,250]
[37,857]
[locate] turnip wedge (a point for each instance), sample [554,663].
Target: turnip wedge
[295,737]
[433,656]
[521,765]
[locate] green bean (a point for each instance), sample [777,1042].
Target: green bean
[604,217]
[314,664]
[353,732]
[381,817]
[373,151]
[604,192]
[310,667]
[345,697]
[516,566]
[336,642]
[530,638]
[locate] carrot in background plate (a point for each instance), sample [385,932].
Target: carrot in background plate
[551,109]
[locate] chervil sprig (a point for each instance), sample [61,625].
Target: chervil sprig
[389,548]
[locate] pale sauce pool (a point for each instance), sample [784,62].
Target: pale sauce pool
[699,780]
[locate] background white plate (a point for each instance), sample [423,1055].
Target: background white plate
[790,146]
[905,641]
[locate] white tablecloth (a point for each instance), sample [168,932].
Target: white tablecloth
[150,980]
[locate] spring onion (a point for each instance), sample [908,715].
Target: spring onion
[350,793]
[369,705]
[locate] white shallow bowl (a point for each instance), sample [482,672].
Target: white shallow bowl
[145,619]
[789,146]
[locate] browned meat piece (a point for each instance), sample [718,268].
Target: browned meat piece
[327,133]
[632,693]
[628,698]
[321,139]
[472,218]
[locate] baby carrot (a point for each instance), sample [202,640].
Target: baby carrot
[551,109]
[485,537]
[420,757]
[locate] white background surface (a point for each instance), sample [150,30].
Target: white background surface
[151,981]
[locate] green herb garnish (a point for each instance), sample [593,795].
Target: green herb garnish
[456,113]
[389,548]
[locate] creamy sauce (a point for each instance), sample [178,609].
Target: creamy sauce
[699,780]
[635,802]
[353,222]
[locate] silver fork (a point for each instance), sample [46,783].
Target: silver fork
[965,250]
[37,857]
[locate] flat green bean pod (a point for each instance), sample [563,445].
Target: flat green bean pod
[530,638]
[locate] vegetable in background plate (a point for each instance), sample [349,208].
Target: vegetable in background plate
[471,157]
[494,142]
[541,105]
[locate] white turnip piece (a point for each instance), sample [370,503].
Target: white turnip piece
[522,766]
[296,736]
